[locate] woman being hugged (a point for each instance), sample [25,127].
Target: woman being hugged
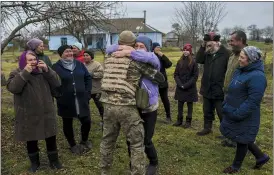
[241,108]
[186,75]
[35,116]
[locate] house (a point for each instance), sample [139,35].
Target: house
[170,39]
[105,35]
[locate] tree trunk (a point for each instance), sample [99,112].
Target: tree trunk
[6,42]
[13,33]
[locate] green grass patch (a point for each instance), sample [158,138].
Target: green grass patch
[180,151]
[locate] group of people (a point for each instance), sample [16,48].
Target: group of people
[126,90]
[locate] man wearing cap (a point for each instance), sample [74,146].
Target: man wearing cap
[78,53]
[119,85]
[163,87]
[37,46]
[143,54]
[214,57]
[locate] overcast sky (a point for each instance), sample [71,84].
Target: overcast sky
[159,14]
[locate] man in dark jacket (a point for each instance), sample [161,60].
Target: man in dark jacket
[37,46]
[163,87]
[215,57]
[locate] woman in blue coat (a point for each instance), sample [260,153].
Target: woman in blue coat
[74,96]
[241,108]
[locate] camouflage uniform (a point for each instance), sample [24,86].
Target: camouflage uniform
[119,84]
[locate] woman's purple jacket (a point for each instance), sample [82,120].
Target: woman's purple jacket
[144,57]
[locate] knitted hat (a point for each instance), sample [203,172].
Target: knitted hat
[154,45]
[127,38]
[62,48]
[91,54]
[146,41]
[188,47]
[254,54]
[34,43]
[78,45]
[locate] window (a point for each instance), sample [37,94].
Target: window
[111,39]
[89,40]
[64,41]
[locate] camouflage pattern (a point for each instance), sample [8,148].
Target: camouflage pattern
[121,80]
[233,63]
[127,118]
[119,85]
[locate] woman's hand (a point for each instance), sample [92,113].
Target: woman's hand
[28,68]
[120,54]
[42,65]
[123,47]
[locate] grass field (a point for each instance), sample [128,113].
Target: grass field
[180,151]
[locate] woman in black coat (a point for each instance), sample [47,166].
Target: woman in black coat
[186,75]
[74,96]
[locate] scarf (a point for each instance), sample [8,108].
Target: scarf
[68,64]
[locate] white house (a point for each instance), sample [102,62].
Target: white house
[107,35]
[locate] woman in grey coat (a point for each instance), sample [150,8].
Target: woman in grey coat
[35,116]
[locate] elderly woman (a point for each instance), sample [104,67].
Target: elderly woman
[241,108]
[74,96]
[37,46]
[96,71]
[35,116]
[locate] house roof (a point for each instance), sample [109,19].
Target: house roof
[119,25]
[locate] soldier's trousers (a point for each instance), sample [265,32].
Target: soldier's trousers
[127,118]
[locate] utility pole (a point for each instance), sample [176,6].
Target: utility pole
[145,21]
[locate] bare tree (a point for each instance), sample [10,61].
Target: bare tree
[187,17]
[238,27]
[178,32]
[17,15]
[198,18]
[210,15]
[93,17]
[226,33]
[268,32]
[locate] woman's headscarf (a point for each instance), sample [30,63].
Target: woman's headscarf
[23,60]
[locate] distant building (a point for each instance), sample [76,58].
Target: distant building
[107,34]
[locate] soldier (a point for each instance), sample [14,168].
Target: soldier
[119,85]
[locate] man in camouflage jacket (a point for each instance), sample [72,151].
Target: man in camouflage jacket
[119,85]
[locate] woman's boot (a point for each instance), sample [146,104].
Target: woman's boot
[179,121]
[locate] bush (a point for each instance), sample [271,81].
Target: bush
[268,41]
